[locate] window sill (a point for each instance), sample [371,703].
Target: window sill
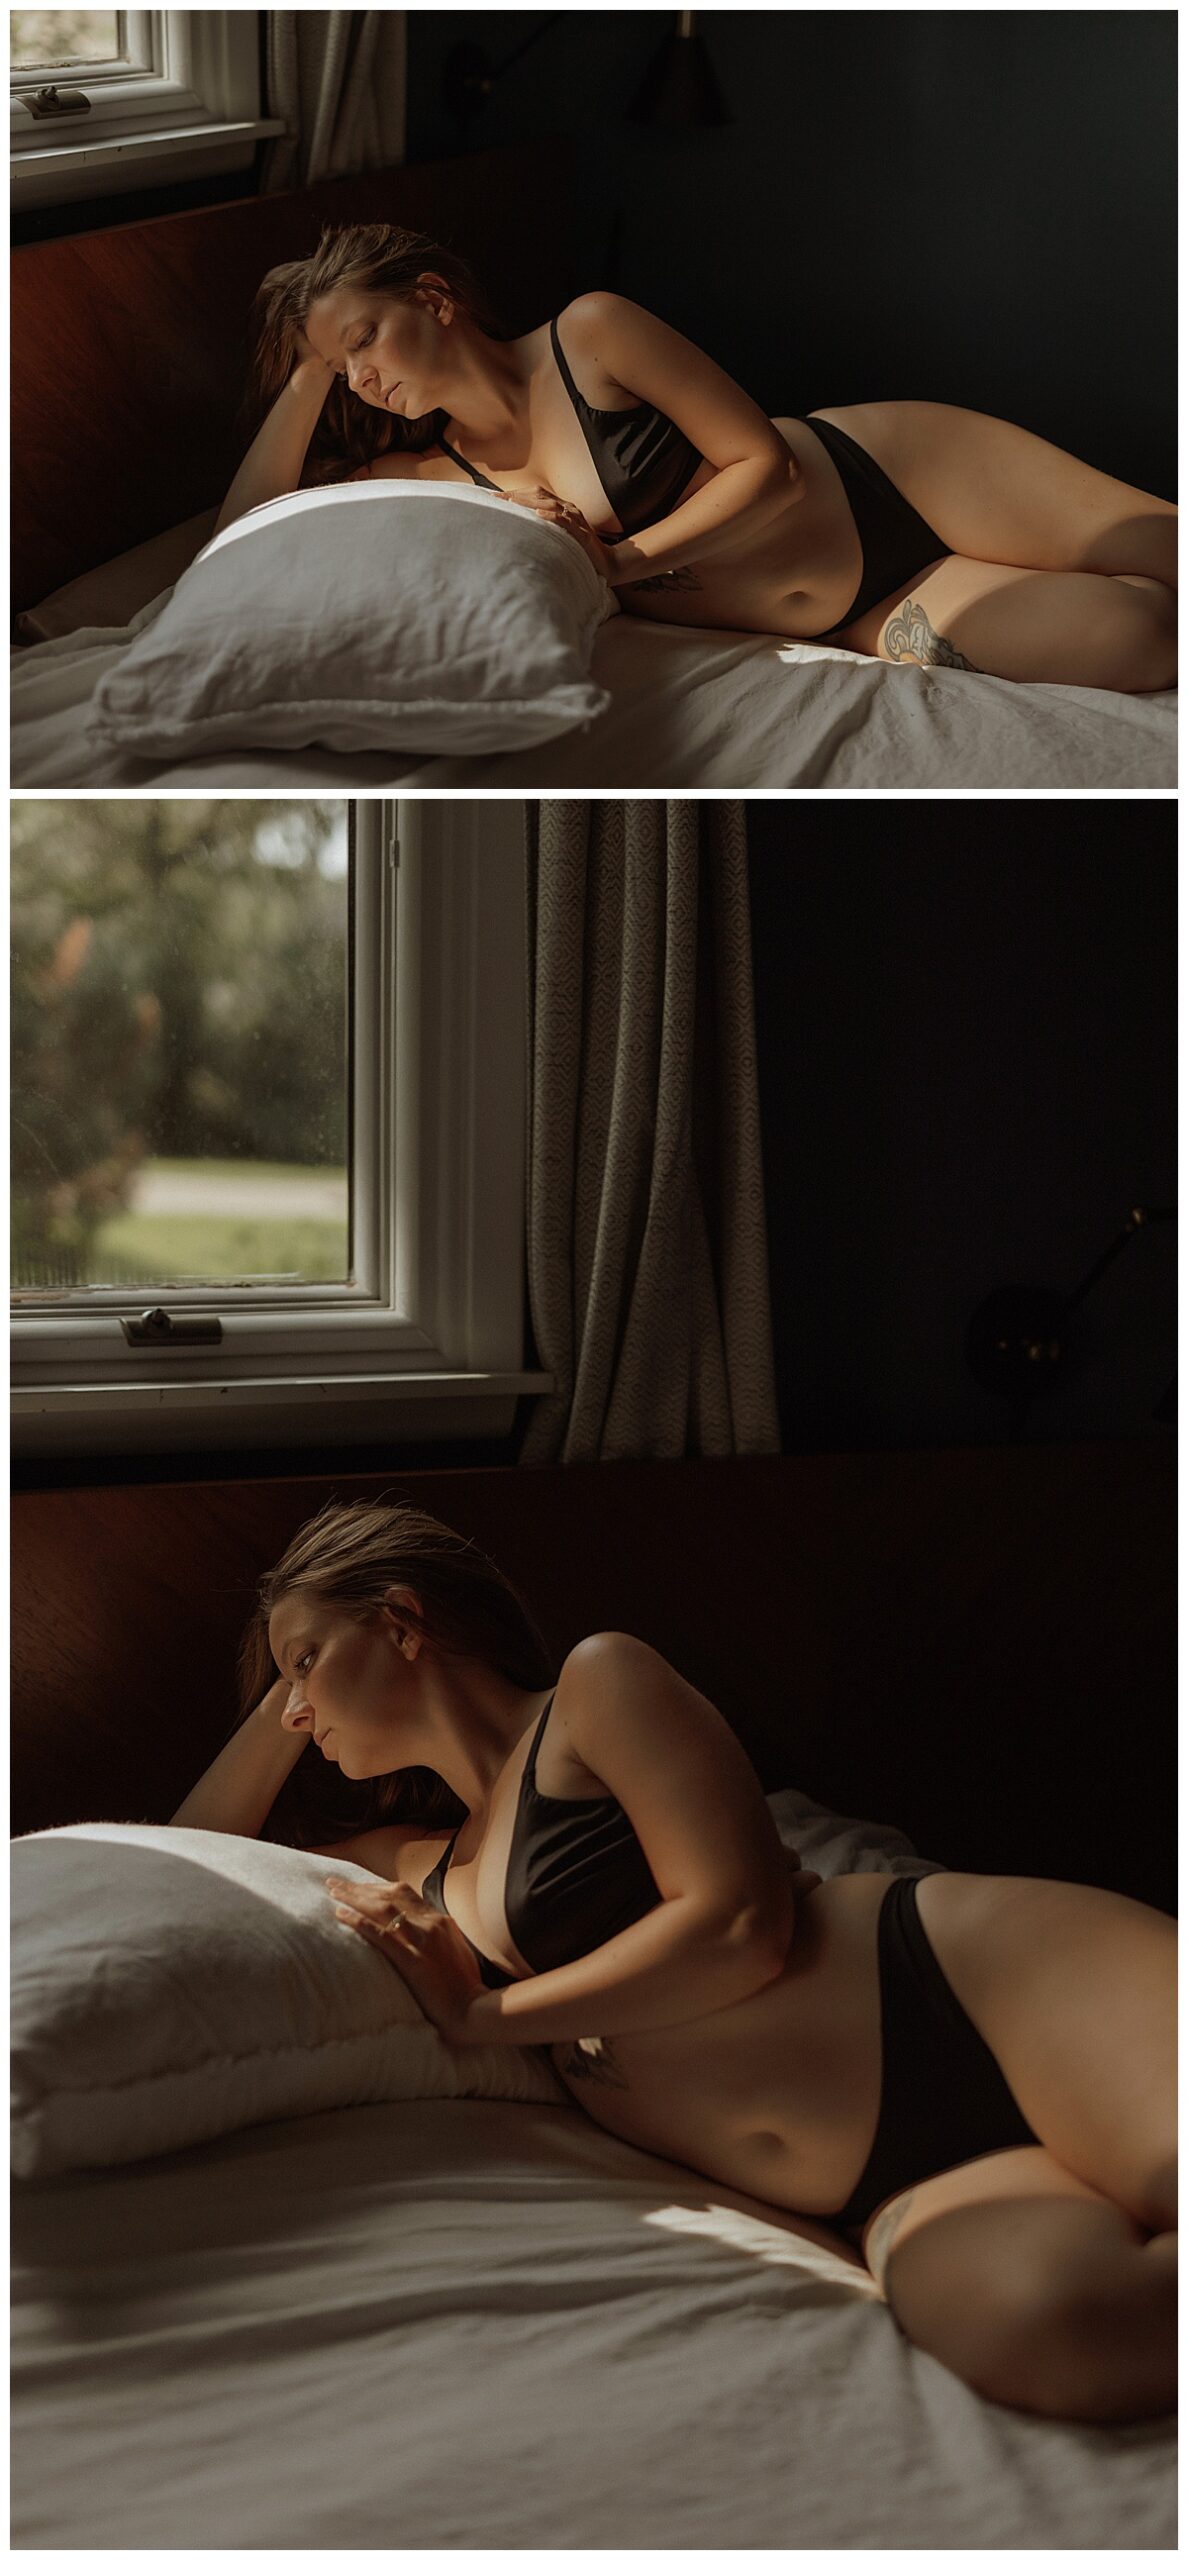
[57,172]
[466,1404]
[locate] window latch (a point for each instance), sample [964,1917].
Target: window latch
[159,1330]
[58,102]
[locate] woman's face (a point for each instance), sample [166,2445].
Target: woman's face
[388,349]
[350,1681]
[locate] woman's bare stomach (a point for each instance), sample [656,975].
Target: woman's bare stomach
[778,2095]
[796,576]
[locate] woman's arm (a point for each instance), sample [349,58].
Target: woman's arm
[724,1923]
[242,1785]
[672,1966]
[274,461]
[756,473]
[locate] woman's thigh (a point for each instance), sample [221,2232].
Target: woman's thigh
[1031,2286]
[996,492]
[1032,626]
[1074,1991]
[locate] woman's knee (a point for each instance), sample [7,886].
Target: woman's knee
[1060,2318]
[1103,2346]
[1156,644]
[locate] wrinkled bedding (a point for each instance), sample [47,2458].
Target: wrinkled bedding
[459,2323]
[725,710]
[462,2324]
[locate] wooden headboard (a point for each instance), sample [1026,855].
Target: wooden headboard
[129,346]
[977,1644]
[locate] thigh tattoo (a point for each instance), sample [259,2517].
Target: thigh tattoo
[592,2059]
[910,640]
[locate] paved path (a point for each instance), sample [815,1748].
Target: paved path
[195,1194]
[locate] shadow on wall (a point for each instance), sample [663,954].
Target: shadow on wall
[906,204]
[967,1045]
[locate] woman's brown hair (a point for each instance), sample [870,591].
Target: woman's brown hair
[350,1557]
[379,258]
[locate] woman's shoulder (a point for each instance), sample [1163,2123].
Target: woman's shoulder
[604,1673]
[610,1650]
[598,310]
[610,341]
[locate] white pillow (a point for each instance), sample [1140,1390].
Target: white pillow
[382,614]
[168,1985]
[839,1844]
[158,2005]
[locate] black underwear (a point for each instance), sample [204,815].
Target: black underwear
[944,2098]
[896,542]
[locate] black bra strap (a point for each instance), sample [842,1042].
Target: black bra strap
[438,1874]
[479,477]
[563,369]
[541,1722]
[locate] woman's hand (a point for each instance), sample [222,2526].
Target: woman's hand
[311,373]
[428,1952]
[558,511]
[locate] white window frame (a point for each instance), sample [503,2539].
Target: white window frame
[428,1339]
[187,106]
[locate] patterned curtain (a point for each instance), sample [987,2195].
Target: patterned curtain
[647,1244]
[337,76]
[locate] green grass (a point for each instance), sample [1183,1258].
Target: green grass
[143,1250]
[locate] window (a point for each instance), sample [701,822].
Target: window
[94,41]
[181,1077]
[217,1233]
[114,99]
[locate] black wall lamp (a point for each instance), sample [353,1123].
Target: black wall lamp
[680,85]
[471,75]
[679,88]
[1017,1341]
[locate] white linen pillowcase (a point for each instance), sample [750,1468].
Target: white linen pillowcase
[379,614]
[170,1985]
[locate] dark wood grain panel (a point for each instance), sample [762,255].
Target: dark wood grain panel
[977,1644]
[129,345]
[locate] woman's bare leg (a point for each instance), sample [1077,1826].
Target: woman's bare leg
[1001,499]
[1047,2277]
[1037,2291]
[1115,634]
[1074,1991]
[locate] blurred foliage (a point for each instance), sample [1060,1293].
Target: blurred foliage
[44,38]
[178,989]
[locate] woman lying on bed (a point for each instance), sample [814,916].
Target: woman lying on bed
[618,1892]
[905,529]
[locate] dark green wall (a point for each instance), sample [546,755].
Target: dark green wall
[967,205]
[966,1019]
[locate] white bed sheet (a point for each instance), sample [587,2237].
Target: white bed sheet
[689,709]
[457,2324]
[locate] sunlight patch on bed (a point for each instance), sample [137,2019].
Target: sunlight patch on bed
[760,2240]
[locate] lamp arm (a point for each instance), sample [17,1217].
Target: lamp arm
[517,54]
[1137,1218]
